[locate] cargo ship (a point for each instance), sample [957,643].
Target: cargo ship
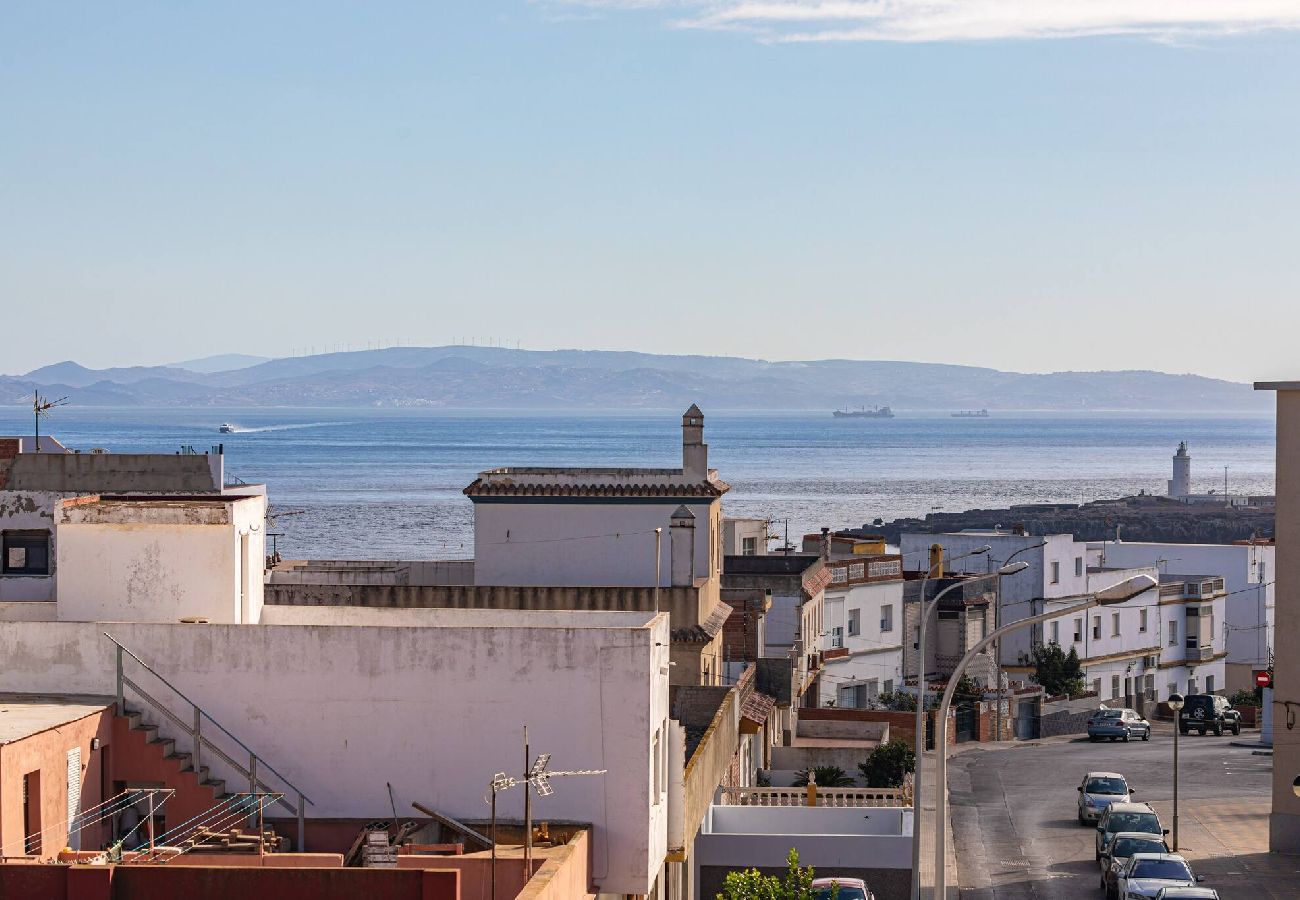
[876,412]
[971,414]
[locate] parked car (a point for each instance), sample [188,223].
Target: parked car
[841,889]
[1098,791]
[1187,893]
[1118,724]
[1116,854]
[1122,817]
[1147,874]
[1208,712]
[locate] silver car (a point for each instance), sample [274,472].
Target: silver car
[1148,874]
[1098,791]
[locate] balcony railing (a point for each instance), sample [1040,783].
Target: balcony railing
[829,797]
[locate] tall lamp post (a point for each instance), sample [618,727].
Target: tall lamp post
[1120,593]
[926,610]
[1176,704]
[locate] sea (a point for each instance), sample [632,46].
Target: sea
[386,483]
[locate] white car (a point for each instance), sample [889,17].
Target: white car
[1147,874]
[841,889]
[1186,893]
[1098,791]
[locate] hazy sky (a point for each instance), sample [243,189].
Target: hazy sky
[1025,184]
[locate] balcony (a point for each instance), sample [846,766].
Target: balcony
[830,797]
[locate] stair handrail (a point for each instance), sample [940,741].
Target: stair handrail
[199,713]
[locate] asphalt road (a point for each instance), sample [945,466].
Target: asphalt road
[1017,837]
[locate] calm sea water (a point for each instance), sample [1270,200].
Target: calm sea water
[386,483]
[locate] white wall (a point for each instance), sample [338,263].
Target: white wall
[1247,572]
[596,543]
[436,711]
[161,564]
[872,653]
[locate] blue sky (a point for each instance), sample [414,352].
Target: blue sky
[1031,186]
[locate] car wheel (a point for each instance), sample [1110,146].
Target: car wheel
[1218,730]
[1146,736]
[1126,737]
[1112,738]
[1201,732]
[1184,730]
[1236,729]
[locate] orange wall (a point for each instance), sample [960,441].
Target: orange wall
[47,752]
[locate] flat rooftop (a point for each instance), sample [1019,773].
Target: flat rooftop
[23,715]
[435,617]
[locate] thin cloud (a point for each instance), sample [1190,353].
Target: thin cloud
[917,21]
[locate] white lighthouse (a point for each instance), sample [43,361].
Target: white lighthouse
[1180,485]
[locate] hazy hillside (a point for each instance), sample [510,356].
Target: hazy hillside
[470,377]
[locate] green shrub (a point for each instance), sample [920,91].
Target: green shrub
[888,765]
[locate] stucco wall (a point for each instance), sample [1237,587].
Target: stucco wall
[436,711]
[140,563]
[595,543]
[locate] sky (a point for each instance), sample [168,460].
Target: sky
[1032,185]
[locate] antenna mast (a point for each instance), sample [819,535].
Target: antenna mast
[42,408]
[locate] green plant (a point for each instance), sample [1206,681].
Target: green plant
[1058,672]
[1245,697]
[752,884]
[888,765]
[968,691]
[826,776]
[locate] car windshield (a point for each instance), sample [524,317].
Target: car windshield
[1106,786]
[1126,847]
[844,892]
[1171,869]
[1145,822]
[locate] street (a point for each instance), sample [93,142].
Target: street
[1017,837]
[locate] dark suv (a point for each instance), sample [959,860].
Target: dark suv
[1208,712]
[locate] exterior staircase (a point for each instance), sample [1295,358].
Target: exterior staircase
[143,755]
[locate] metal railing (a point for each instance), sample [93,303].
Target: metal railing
[199,740]
[829,797]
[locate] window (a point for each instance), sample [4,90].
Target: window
[855,622]
[1191,686]
[1096,686]
[837,637]
[1173,634]
[1114,686]
[872,688]
[25,553]
[1142,620]
[887,617]
[749,546]
[1055,630]
[1096,628]
[1192,642]
[889,686]
[1078,566]
[1173,688]
[1056,573]
[1078,631]
[1209,684]
[1114,624]
[916,638]
[32,813]
[1210,631]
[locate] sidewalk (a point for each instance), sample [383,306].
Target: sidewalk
[925,832]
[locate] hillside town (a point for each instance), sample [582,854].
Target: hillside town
[624,692]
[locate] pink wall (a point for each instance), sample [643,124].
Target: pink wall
[47,752]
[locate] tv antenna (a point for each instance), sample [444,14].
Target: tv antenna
[535,777]
[41,408]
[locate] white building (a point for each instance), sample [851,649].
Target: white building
[581,526]
[744,537]
[862,644]
[1247,569]
[342,700]
[1125,650]
[113,535]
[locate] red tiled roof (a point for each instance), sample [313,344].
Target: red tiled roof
[757,707]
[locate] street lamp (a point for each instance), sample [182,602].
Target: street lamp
[1176,703]
[926,610]
[1120,593]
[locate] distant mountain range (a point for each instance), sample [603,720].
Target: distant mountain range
[489,377]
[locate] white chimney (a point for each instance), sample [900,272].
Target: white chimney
[695,453]
[682,547]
